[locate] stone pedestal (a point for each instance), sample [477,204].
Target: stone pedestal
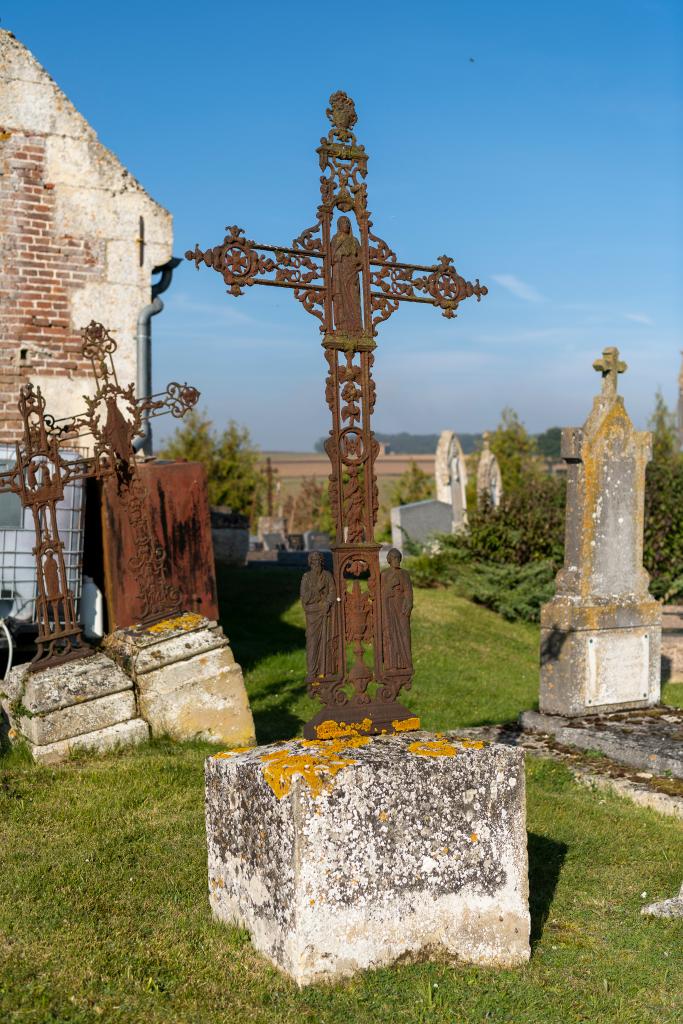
[187,681]
[86,704]
[345,855]
[601,634]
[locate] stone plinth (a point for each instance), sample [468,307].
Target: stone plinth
[419,522]
[601,634]
[84,704]
[187,681]
[345,855]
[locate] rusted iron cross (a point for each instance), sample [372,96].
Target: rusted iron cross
[610,366]
[43,470]
[351,284]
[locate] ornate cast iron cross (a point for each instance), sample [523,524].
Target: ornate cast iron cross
[43,470]
[351,283]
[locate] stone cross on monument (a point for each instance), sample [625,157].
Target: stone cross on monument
[351,283]
[610,366]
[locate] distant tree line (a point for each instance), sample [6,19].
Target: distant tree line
[547,443]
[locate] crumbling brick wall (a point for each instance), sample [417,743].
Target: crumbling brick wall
[71,246]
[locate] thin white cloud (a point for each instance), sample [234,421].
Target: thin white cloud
[519,288]
[639,318]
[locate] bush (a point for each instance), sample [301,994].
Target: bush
[230,459]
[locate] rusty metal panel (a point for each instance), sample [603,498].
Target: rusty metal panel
[177,499]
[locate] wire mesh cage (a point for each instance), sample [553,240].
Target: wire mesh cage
[18,583]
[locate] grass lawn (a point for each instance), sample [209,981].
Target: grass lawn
[103,906]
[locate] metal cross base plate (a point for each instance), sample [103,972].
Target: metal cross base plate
[354,719]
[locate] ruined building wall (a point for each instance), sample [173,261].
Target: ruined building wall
[70,247]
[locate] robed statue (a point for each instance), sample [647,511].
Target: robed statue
[397,604]
[346,266]
[318,597]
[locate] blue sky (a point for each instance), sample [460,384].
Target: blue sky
[550,168]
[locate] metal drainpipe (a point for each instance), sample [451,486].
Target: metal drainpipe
[144,348]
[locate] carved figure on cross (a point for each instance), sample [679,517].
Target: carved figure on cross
[351,281]
[610,366]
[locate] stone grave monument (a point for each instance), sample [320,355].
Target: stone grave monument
[366,842]
[450,472]
[186,682]
[419,522]
[69,696]
[489,478]
[601,633]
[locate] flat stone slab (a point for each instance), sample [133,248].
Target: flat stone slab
[187,681]
[79,718]
[666,908]
[124,734]
[66,685]
[351,854]
[651,740]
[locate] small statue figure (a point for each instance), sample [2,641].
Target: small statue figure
[318,597]
[397,604]
[346,265]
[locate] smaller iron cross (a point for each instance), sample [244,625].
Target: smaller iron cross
[113,432]
[610,366]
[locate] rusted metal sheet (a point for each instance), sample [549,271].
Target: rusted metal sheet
[357,618]
[178,508]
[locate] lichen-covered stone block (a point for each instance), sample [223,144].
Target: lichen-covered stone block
[187,681]
[354,853]
[88,702]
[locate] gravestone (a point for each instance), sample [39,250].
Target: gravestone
[489,479]
[450,472]
[317,540]
[367,842]
[269,525]
[419,522]
[601,633]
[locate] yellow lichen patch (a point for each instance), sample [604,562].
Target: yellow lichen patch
[331,730]
[190,620]
[433,748]
[473,744]
[383,816]
[406,725]
[474,838]
[282,766]
[235,750]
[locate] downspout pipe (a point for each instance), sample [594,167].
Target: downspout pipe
[144,348]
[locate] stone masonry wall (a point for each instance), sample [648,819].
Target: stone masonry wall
[69,241]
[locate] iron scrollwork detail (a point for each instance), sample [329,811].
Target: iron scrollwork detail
[352,281]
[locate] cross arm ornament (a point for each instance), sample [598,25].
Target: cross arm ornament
[308,265]
[241,262]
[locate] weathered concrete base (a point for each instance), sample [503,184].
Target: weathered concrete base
[597,658]
[88,703]
[124,734]
[345,855]
[666,908]
[648,740]
[187,682]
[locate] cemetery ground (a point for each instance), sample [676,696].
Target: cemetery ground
[103,892]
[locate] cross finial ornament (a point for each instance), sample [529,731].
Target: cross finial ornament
[357,617]
[610,366]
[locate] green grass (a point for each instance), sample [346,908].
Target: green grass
[103,892]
